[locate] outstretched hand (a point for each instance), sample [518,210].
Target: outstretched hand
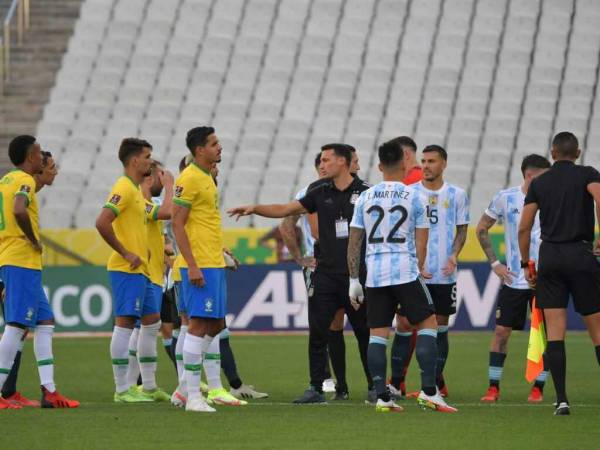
[240,211]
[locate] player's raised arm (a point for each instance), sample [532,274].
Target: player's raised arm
[105,228]
[23,220]
[277,211]
[167,180]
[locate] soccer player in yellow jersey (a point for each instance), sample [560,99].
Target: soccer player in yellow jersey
[122,224]
[152,186]
[197,227]
[25,304]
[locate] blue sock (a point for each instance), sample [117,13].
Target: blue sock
[376,356]
[496,367]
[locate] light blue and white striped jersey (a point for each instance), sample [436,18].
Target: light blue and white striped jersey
[507,206]
[446,208]
[308,243]
[389,212]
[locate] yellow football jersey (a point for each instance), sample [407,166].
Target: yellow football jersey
[176,266]
[15,248]
[195,189]
[156,244]
[128,203]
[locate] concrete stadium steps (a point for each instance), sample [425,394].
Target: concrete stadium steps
[33,68]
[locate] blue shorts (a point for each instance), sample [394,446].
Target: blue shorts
[132,295]
[209,301]
[180,297]
[25,301]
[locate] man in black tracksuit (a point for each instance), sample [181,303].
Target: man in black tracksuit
[333,199]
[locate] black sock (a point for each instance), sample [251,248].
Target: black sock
[139,381]
[496,367]
[327,365]
[557,363]
[598,353]
[443,348]
[228,363]
[376,356]
[337,354]
[172,349]
[10,385]
[170,354]
[399,353]
[427,353]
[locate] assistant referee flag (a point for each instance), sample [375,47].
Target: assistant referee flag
[537,340]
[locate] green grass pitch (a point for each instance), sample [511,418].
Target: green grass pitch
[278,365]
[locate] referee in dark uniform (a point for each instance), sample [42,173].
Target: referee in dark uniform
[333,199]
[568,258]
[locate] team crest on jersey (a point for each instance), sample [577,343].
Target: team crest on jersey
[178,191]
[208,305]
[25,188]
[433,200]
[446,204]
[149,208]
[354,197]
[115,199]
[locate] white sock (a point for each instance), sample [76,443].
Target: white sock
[119,353]
[133,370]
[9,345]
[193,348]
[179,359]
[42,347]
[212,364]
[147,354]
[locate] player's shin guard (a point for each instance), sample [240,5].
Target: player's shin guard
[427,353]
[377,365]
[133,370]
[399,353]
[557,363]
[119,349]
[212,364]
[9,344]
[42,347]
[228,360]
[193,348]
[10,385]
[147,354]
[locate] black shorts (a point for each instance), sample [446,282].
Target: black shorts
[413,299]
[444,298]
[511,308]
[568,269]
[168,308]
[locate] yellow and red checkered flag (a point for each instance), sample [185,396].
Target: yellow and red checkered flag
[537,338]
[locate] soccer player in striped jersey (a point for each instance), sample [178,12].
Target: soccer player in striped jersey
[515,294]
[122,224]
[448,214]
[26,304]
[393,217]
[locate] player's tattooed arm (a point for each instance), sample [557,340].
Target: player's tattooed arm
[459,239]
[289,234]
[483,236]
[354,245]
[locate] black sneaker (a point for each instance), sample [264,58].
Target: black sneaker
[562,409]
[340,396]
[310,396]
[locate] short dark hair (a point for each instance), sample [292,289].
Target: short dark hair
[318,160]
[182,164]
[131,147]
[534,161]
[45,157]
[18,148]
[566,144]
[403,141]
[197,137]
[390,154]
[344,150]
[437,149]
